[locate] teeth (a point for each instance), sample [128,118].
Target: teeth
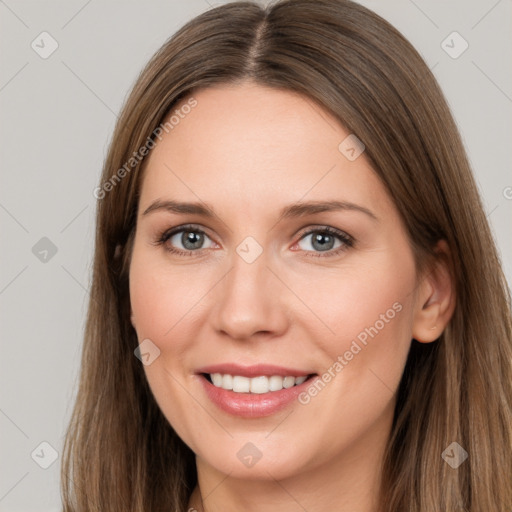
[227,381]
[300,380]
[275,383]
[216,379]
[241,384]
[258,385]
[288,382]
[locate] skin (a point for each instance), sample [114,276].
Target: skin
[249,151]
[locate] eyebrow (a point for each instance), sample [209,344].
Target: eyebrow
[299,209]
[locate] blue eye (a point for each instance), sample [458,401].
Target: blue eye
[326,239]
[192,240]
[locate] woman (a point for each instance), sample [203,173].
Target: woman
[297,303]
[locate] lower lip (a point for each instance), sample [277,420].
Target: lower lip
[252,405]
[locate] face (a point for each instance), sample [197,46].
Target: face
[293,263]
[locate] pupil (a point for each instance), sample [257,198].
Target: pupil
[192,240]
[325,241]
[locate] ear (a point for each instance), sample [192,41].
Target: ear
[435,299]
[132,318]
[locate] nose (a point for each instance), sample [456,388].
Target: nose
[250,301]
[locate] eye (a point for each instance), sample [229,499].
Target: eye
[185,240]
[190,240]
[325,240]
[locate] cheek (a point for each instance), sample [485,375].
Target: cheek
[161,296]
[365,314]
[162,304]
[370,316]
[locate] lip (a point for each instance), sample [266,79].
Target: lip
[253,371]
[252,405]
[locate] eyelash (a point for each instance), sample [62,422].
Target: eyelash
[346,240]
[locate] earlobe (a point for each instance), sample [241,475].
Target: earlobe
[436,298]
[132,319]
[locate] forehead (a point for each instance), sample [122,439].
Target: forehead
[261,145]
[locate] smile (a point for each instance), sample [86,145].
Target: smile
[261,384]
[253,391]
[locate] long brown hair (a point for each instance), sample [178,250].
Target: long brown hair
[120,453]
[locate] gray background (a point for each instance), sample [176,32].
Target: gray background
[58,114]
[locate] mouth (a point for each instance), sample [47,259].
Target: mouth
[260,384]
[255,391]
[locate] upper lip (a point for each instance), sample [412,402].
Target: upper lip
[253,370]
